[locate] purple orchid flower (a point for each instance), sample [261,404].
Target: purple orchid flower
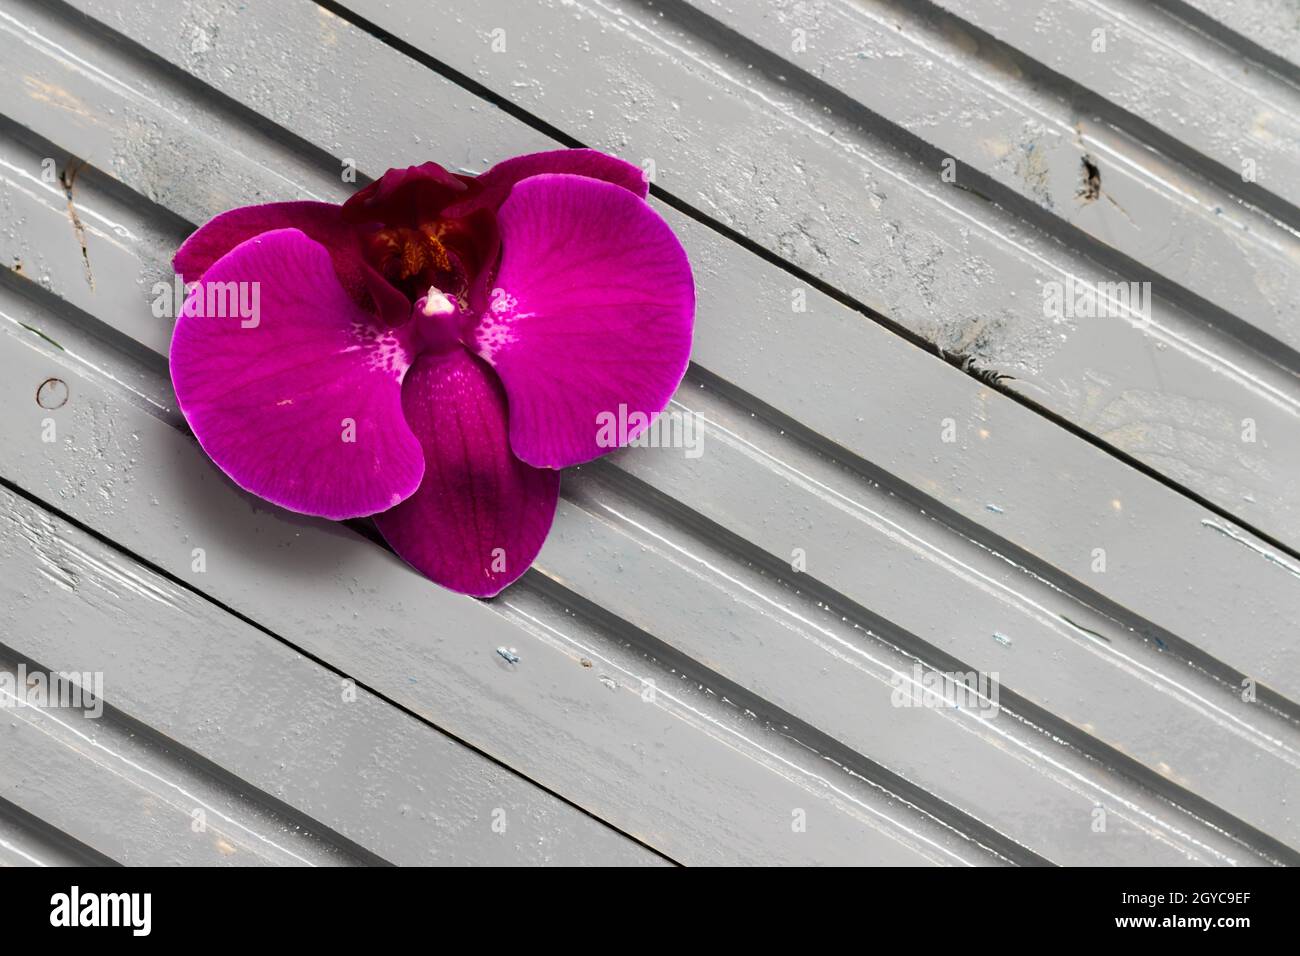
[433,350]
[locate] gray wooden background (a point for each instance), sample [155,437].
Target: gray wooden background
[906,461]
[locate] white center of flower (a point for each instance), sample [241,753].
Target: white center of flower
[437,303]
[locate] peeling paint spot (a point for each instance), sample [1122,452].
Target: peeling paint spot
[1091,189]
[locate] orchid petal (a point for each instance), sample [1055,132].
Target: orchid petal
[297,399]
[591,316]
[406,197]
[480,515]
[494,185]
[320,221]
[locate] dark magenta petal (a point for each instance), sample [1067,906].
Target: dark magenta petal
[290,387]
[321,221]
[590,316]
[494,185]
[406,197]
[480,515]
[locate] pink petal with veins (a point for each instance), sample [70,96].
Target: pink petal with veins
[592,309]
[289,386]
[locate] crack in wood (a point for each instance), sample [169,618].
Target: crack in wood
[68,177]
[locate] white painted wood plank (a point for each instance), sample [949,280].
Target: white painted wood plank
[917,74]
[807,660]
[296,169]
[747,488]
[807,182]
[866,551]
[1125,730]
[1156,69]
[674,778]
[27,841]
[279,722]
[1273,25]
[726,477]
[835,367]
[99,784]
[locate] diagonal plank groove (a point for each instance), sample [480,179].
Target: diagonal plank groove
[306,153]
[948,816]
[67,850]
[1272,201]
[118,722]
[790,74]
[1244,46]
[363,528]
[305,652]
[1252,526]
[1074,587]
[989,377]
[1019,706]
[809,736]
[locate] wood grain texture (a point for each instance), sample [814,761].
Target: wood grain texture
[807,175]
[749,142]
[318,747]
